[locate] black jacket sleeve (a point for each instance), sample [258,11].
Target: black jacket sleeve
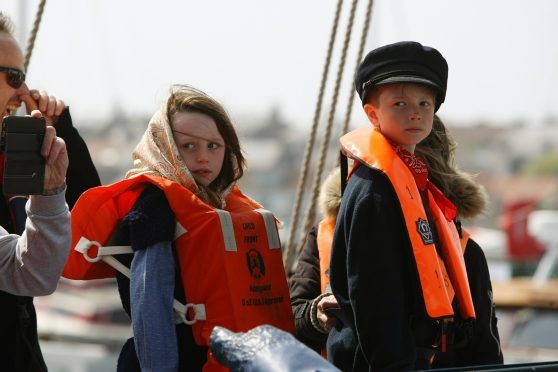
[304,286]
[81,174]
[484,346]
[150,221]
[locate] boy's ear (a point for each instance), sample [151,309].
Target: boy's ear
[371,114]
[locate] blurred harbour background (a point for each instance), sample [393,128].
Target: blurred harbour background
[113,63]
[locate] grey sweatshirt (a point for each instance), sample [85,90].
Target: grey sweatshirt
[31,264]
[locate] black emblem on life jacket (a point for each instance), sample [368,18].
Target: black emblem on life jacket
[255,264]
[424,230]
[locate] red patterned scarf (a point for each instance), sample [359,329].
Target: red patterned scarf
[420,172]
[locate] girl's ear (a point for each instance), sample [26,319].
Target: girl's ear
[371,114]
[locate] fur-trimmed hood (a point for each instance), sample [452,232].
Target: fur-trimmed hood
[330,194]
[467,195]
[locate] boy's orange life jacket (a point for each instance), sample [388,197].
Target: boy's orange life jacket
[230,260]
[324,241]
[371,148]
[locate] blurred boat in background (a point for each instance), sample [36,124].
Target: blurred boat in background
[82,326]
[527,306]
[86,312]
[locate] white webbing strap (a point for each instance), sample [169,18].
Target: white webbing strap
[228,230]
[105,254]
[181,311]
[117,265]
[270,229]
[84,244]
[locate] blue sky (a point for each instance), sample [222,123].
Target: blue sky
[103,55]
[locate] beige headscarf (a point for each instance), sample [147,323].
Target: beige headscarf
[157,155]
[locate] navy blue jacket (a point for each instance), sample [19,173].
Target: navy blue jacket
[375,280]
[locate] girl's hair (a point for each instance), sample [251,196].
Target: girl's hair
[438,150]
[184,98]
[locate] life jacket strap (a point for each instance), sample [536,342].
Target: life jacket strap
[343,167]
[426,355]
[105,254]
[446,335]
[84,245]
[181,311]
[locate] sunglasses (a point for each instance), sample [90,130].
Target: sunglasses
[14,77]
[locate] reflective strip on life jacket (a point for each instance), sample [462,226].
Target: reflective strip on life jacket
[227,229]
[372,149]
[270,228]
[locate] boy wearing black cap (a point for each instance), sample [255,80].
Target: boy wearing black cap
[397,266]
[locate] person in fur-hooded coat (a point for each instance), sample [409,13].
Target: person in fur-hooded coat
[305,284]
[437,150]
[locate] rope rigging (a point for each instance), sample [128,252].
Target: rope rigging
[289,254]
[33,34]
[315,190]
[292,250]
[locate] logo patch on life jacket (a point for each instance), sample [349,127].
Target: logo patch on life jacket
[255,264]
[424,230]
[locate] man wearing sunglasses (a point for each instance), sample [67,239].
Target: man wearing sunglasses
[31,264]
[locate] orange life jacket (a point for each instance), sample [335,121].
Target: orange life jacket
[230,260]
[324,240]
[438,277]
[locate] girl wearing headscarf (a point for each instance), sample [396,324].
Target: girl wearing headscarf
[194,237]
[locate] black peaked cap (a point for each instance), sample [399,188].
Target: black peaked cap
[403,62]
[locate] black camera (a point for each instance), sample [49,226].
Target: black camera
[24,166]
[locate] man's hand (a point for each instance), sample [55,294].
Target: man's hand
[327,322]
[56,156]
[49,106]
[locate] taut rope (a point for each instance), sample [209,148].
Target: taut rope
[311,211]
[33,34]
[290,252]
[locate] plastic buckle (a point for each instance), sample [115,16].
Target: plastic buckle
[199,313]
[85,249]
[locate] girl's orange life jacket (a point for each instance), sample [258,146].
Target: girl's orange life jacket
[371,148]
[230,260]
